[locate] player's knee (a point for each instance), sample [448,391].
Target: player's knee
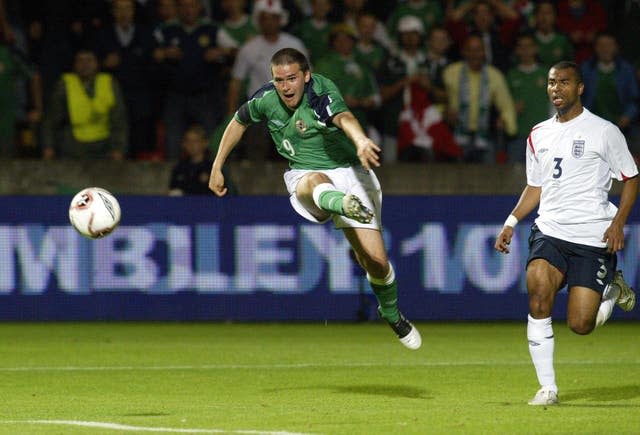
[376,267]
[581,326]
[311,180]
[540,303]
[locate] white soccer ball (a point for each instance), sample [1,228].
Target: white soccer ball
[94,212]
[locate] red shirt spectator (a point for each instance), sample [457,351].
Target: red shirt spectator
[581,20]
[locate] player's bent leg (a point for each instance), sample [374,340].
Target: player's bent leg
[582,309]
[543,282]
[610,297]
[319,196]
[370,252]
[353,208]
[627,297]
[305,193]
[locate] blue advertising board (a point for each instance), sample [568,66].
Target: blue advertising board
[254,259]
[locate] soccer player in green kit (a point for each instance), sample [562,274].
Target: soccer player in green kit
[330,176]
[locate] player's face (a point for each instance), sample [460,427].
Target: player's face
[289,81]
[563,89]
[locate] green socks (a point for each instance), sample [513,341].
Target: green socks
[331,201]
[386,291]
[387,301]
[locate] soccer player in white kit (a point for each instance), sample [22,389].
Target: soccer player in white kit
[571,160]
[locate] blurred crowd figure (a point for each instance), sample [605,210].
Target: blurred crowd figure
[431,80]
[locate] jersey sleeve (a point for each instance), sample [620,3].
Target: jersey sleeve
[256,108]
[326,100]
[617,154]
[534,173]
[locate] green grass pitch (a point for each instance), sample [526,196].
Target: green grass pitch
[303,378]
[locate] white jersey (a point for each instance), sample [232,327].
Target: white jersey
[254,58]
[574,162]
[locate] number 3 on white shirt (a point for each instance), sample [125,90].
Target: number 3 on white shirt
[557,169]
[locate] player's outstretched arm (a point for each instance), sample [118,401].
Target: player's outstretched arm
[367,149]
[528,201]
[614,235]
[231,136]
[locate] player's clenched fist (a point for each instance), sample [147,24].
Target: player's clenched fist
[504,240]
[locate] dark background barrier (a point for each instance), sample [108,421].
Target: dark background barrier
[253,258]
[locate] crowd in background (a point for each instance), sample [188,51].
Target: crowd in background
[454,81]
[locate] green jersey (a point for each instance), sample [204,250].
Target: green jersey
[354,79]
[306,136]
[429,12]
[528,88]
[554,48]
[314,36]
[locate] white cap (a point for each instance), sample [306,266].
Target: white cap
[272,7]
[410,23]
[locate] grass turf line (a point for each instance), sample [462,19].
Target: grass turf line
[311,378]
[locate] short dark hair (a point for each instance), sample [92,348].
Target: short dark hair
[198,130]
[288,56]
[566,64]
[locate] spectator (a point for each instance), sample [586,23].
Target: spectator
[526,10]
[611,88]
[190,175]
[438,47]
[367,49]
[86,116]
[125,49]
[236,28]
[581,20]
[191,63]
[395,76]
[270,17]
[495,22]
[15,65]
[355,80]
[5,28]
[624,24]
[474,88]
[166,11]
[528,84]
[404,82]
[48,26]
[314,31]
[430,12]
[252,65]
[350,13]
[553,46]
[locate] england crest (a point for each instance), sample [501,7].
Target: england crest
[577,150]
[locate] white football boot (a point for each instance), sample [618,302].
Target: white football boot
[544,397]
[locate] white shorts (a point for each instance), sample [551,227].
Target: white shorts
[355,180]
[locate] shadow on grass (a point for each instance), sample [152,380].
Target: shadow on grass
[603,394]
[403,391]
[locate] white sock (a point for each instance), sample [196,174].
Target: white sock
[541,344]
[609,298]
[320,189]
